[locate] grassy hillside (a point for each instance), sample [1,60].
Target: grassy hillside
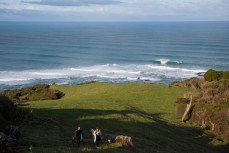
[143,111]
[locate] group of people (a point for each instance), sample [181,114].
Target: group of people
[78,136]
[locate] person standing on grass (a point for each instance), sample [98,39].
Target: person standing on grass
[94,135]
[79,136]
[98,134]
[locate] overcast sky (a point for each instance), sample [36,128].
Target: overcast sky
[114,10]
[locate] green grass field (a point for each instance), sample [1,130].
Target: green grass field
[145,112]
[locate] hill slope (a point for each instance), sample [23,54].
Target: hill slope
[143,111]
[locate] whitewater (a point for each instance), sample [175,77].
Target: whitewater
[109,73]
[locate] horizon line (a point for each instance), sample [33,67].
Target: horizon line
[112,21]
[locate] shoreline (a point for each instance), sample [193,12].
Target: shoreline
[87,82]
[137,80]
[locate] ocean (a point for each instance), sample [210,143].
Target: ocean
[72,52]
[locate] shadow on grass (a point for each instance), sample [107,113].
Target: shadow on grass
[52,130]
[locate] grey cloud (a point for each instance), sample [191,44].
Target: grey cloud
[27,15]
[74,2]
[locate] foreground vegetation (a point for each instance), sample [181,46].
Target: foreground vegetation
[210,107]
[145,112]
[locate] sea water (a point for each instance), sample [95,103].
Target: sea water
[69,53]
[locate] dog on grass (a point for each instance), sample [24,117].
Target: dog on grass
[124,140]
[121,139]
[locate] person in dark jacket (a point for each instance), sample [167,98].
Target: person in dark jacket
[78,136]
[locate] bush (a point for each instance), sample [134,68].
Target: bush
[226,75]
[37,92]
[211,75]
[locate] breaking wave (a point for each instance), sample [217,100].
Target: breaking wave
[164,61]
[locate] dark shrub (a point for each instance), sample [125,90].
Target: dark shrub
[211,75]
[37,92]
